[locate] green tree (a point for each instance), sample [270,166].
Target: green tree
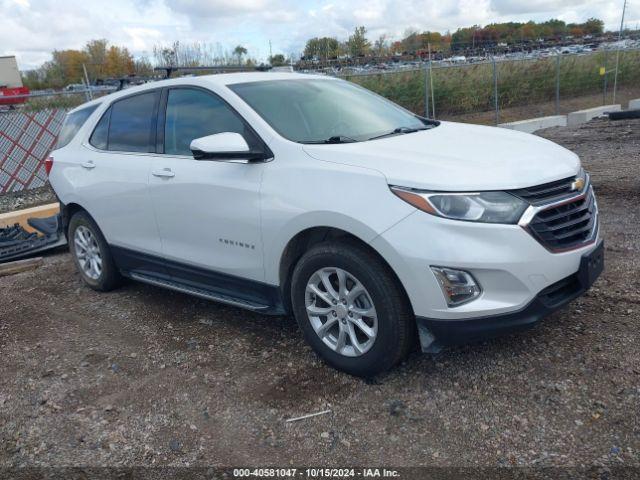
[118,62]
[65,67]
[33,79]
[593,26]
[277,60]
[142,67]
[165,56]
[381,45]
[96,51]
[510,32]
[322,48]
[358,43]
[411,41]
[311,48]
[239,51]
[556,28]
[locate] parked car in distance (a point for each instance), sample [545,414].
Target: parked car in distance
[73,87]
[297,194]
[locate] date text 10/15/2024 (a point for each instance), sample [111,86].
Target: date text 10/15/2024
[316,472]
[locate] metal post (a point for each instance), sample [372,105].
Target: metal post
[86,79]
[495,88]
[615,74]
[558,83]
[604,89]
[433,98]
[426,91]
[86,90]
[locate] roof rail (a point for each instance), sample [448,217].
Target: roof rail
[216,69]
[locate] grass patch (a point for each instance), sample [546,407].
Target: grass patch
[469,88]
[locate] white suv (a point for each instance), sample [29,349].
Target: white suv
[286,193]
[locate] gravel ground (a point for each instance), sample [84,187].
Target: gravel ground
[143,376]
[27,198]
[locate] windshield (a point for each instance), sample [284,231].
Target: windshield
[326,111]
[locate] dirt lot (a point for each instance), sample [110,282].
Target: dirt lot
[143,376]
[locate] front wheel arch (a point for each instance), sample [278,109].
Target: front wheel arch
[310,237]
[395,322]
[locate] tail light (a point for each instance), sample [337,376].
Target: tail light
[48,165]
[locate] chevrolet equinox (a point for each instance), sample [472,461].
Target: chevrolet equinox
[298,194]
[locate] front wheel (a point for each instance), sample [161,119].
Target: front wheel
[351,308]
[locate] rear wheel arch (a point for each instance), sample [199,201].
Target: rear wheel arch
[67,211]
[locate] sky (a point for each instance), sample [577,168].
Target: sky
[31,29]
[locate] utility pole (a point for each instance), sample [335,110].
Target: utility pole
[615,74]
[495,88]
[557,83]
[88,93]
[270,52]
[433,97]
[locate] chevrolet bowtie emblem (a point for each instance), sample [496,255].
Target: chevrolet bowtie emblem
[578,184]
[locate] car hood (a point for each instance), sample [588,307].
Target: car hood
[457,157]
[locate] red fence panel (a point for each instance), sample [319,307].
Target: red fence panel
[26,138]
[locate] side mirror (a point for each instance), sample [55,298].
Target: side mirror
[227,146]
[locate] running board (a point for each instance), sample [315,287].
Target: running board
[197,292]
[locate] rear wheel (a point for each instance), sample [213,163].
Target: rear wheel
[91,254]
[351,308]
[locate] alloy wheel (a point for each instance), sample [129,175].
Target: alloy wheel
[87,252]
[341,311]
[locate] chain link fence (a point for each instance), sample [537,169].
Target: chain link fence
[493,91]
[504,90]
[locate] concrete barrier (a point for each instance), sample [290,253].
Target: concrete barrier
[533,124]
[634,104]
[583,116]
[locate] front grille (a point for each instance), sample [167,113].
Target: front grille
[566,225]
[547,192]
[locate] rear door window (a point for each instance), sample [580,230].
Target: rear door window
[132,123]
[72,123]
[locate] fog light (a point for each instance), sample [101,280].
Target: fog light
[457,286]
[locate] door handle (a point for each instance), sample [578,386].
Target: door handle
[165,172]
[88,165]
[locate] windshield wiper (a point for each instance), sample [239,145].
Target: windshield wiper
[399,131]
[334,139]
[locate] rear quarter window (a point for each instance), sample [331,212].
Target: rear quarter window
[100,136]
[132,123]
[72,123]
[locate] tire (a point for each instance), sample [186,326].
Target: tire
[624,115]
[107,277]
[394,323]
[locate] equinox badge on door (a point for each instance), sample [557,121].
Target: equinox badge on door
[237,244]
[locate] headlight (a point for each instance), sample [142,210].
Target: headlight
[487,207]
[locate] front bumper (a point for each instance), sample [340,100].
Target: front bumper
[510,265]
[455,332]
